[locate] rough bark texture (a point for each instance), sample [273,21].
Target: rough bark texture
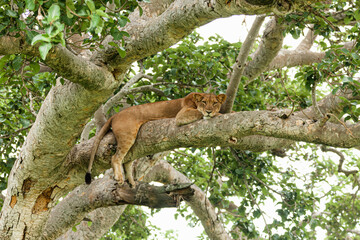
[107,192]
[102,219]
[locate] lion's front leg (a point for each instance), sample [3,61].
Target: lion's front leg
[187,115]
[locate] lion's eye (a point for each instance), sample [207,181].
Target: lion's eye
[204,102]
[215,103]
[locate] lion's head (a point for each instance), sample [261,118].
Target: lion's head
[209,104]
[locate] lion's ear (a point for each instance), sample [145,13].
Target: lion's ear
[221,98]
[198,97]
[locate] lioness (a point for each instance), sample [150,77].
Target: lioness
[126,124]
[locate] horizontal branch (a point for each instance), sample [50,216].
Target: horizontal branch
[300,57]
[229,130]
[226,129]
[106,192]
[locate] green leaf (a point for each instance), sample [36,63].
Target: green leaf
[62,40]
[17,62]
[56,29]
[357,15]
[11,13]
[140,11]
[120,50]
[30,4]
[123,20]
[101,13]
[70,5]
[117,3]
[53,13]
[35,66]
[91,5]
[347,79]
[89,223]
[44,49]
[116,34]
[41,38]
[257,213]
[95,22]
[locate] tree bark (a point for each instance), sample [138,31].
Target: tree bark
[239,66]
[102,219]
[107,192]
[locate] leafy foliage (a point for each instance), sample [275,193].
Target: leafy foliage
[48,23]
[255,194]
[22,90]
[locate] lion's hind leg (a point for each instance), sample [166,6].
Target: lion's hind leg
[129,173]
[125,134]
[116,163]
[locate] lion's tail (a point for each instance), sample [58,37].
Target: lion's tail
[95,146]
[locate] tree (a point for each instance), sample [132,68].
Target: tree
[68,65]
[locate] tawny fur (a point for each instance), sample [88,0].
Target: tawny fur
[126,124]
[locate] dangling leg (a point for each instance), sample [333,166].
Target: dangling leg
[116,162]
[129,173]
[125,134]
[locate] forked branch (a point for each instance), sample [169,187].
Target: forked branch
[239,66]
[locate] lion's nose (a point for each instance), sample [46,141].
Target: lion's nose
[208,111]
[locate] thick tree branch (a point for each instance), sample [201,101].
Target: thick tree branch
[79,70]
[293,58]
[222,131]
[308,41]
[102,219]
[172,25]
[270,45]
[106,192]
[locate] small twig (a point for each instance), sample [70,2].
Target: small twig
[15,132]
[212,171]
[266,185]
[183,154]
[74,13]
[341,160]
[288,95]
[342,123]
[257,179]
[324,120]
[255,203]
[313,97]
